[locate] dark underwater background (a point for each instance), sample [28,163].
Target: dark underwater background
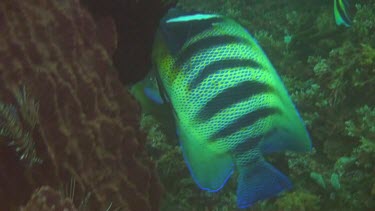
[73,138]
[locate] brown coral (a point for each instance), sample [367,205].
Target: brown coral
[88,123]
[47,199]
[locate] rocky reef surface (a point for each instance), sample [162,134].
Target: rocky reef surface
[68,127]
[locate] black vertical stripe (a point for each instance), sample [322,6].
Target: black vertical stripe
[251,143]
[206,43]
[231,96]
[247,145]
[245,121]
[215,66]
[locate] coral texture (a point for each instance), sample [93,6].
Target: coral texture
[86,126]
[47,199]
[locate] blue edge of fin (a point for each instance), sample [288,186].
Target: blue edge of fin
[258,182]
[261,181]
[194,177]
[154,95]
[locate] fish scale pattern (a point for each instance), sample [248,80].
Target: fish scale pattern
[230,106]
[189,104]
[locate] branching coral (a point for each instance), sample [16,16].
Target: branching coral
[18,133]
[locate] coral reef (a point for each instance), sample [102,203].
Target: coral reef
[62,103]
[11,126]
[298,200]
[47,199]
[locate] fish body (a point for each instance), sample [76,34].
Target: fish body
[341,12]
[229,104]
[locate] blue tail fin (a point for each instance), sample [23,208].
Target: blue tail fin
[259,181]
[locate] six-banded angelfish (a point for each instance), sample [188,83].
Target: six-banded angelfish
[229,104]
[341,12]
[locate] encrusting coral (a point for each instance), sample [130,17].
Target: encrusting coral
[62,102]
[47,199]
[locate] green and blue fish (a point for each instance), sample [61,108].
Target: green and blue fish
[341,12]
[229,104]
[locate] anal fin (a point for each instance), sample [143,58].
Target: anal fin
[209,170]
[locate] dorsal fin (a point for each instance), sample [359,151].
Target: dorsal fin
[177,27]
